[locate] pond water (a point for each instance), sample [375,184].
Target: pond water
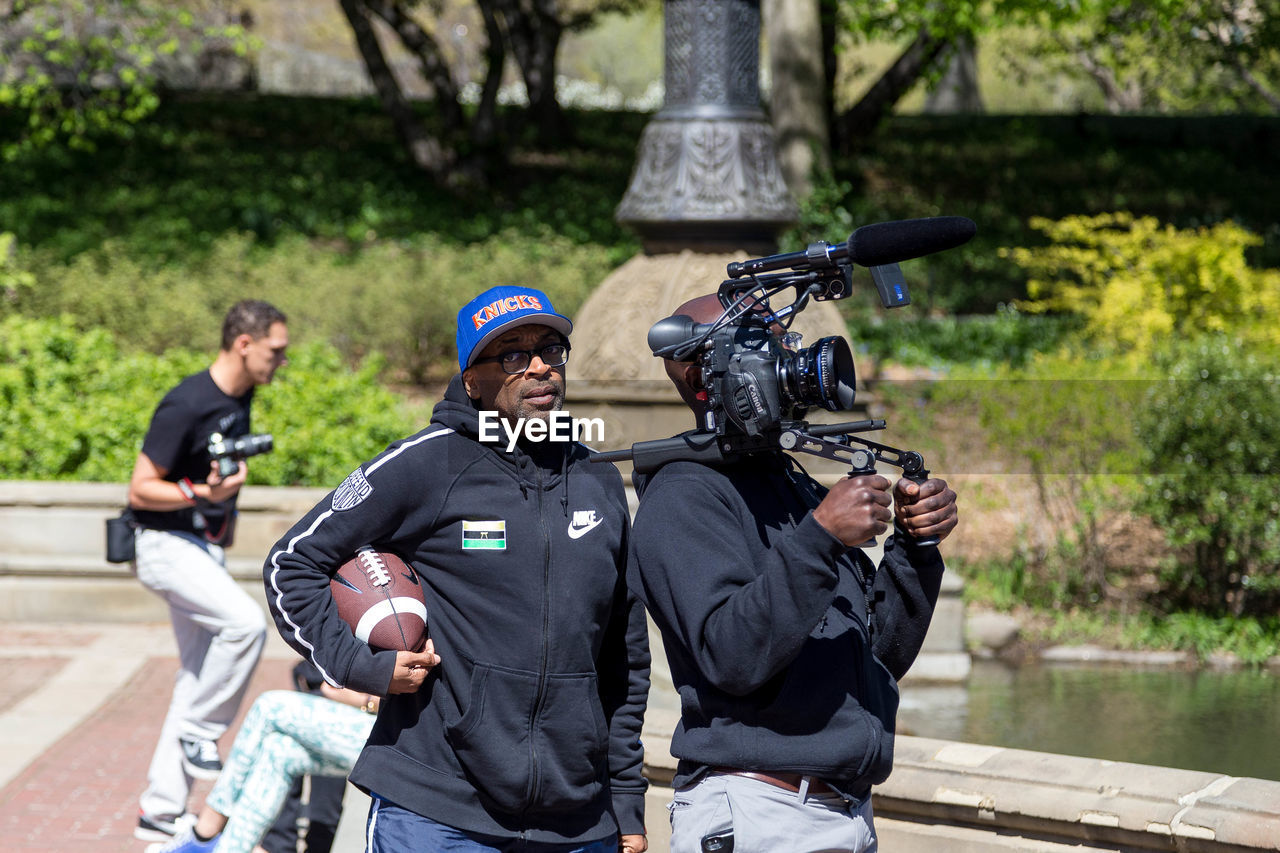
[1217,721]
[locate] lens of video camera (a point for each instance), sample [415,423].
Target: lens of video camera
[820,375]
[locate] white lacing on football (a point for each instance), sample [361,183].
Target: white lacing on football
[372,563]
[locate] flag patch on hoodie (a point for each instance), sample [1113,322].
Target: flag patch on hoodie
[484,534]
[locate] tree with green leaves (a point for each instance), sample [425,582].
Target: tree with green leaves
[526,31]
[931,27]
[1163,56]
[1150,55]
[71,70]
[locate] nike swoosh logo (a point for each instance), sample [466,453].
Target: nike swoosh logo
[579,532]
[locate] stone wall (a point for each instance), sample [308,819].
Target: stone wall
[52,564]
[965,798]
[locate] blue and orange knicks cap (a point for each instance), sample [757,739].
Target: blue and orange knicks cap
[498,309]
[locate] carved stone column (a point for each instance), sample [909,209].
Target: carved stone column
[707,174]
[707,190]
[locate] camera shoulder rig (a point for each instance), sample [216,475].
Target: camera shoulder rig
[758,383]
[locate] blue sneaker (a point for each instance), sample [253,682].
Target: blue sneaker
[185,841]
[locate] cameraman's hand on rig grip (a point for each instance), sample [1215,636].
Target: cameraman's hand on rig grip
[925,509]
[856,510]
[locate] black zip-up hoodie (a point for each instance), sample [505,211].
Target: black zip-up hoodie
[764,619]
[530,725]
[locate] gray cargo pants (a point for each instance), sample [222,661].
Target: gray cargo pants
[762,818]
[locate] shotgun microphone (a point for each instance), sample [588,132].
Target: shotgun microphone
[870,246]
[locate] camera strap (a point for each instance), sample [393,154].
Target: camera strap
[223,535]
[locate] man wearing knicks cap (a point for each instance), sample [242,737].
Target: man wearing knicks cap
[518,727]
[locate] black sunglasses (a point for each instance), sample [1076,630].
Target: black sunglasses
[518,360]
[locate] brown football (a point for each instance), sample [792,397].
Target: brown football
[380,596]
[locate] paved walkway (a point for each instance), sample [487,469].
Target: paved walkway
[81,709]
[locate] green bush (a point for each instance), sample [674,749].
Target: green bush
[76,407]
[1252,640]
[325,417]
[144,308]
[1137,283]
[1058,416]
[1007,337]
[1058,424]
[1210,435]
[397,298]
[15,282]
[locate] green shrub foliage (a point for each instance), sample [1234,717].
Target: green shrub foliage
[76,407]
[398,299]
[15,282]
[1210,435]
[1007,337]
[325,417]
[1138,283]
[1055,421]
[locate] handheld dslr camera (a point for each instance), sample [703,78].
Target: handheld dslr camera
[228,452]
[759,383]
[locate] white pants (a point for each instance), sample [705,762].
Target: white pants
[762,818]
[220,632]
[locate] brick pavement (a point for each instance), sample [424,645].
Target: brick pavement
[80,793]
[78,720]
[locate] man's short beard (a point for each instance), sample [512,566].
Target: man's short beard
[523,409]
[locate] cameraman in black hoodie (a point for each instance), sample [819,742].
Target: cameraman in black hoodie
[785,642]
[518,727]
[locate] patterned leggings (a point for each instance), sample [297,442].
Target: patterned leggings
[285,735]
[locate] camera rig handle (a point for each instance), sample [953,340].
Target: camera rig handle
[862,460]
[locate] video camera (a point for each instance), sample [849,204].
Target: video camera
[759,383]
[228,452]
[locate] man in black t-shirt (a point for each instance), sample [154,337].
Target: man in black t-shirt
[186,514]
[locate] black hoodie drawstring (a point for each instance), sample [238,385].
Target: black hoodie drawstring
[564,478]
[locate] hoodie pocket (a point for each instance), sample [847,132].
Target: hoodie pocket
[524,754]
